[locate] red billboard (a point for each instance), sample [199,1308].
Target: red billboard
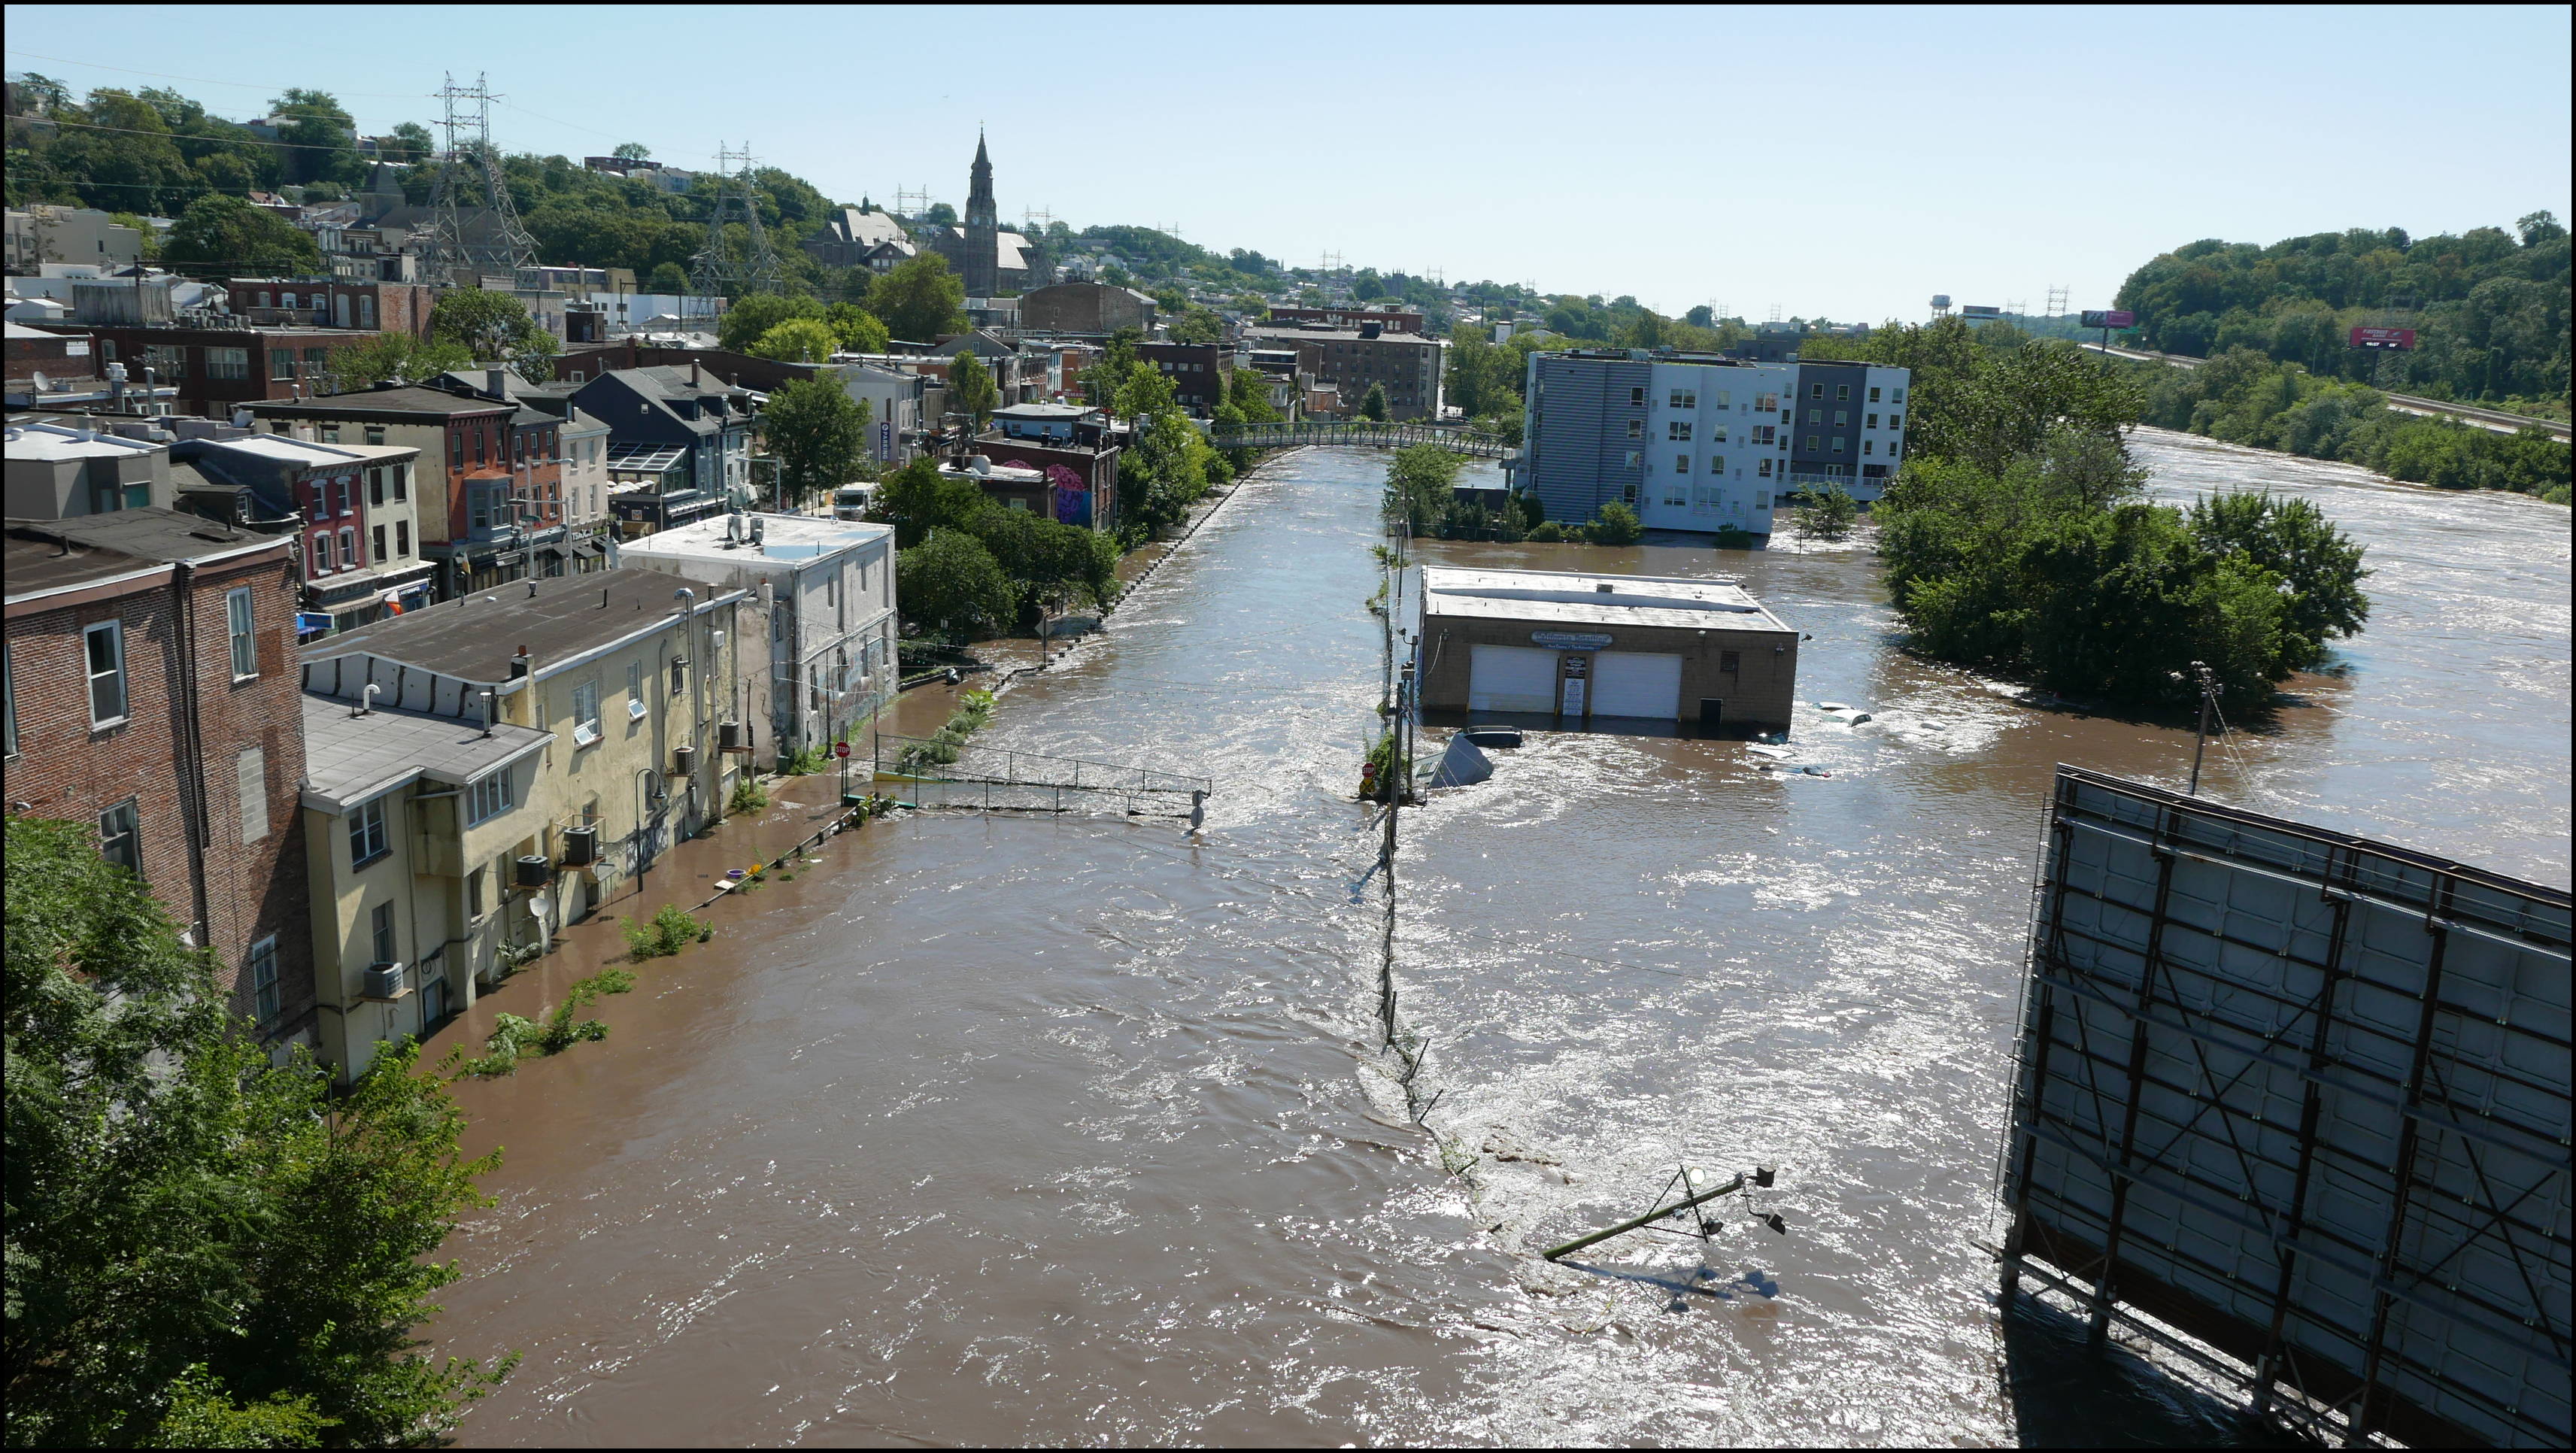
[2122,318]
[2383,338]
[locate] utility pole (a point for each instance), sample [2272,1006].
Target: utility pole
[2200,738]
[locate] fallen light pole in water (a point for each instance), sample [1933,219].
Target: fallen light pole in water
[1691,1198]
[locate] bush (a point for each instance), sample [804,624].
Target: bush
[514,1038]
[1547,532]
[748,796]
[805,761]
[668,932]
[1617,524]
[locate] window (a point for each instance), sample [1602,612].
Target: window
[679,676]
[1762,499]
[1678,429]
[380,930]
[104,645]
[317,362]
[1765,403]
[402,539]
[366,310]
[262,973]
[1897,397]
[322,553]
[634,691]
[1811,443]
[237,622]
[1896,421]
[483,507]
[1842,417]
[367,840]
[1636,428]
[1637,395]
[1839,442]
[1891,448]
[585,713]
[1685,399]
[1842,393]
[1628,495]
[375,433]
[349,548]
[250,786]
[474,894]
[1635,459]
[1869,421]
[380,542]
[1868,446]
[288,301]
[169,360]
[1815,391]
[1717,464]
[455,450]
[1724,397]
[1873,395]
[281,363]
[1765,469]
[375,488]
[1815,416]
[1681,464]
[330,433]
[120,836]
[232,363]
[1730,662]
[347,488]
[489,797]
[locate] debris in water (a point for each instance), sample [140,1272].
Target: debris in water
[1462,765]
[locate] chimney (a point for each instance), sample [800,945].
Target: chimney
[697,375]
[519,664]
[492,383]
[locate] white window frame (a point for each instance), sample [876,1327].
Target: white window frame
[132,811]
[585,713]
[489,796]
[114,674]
[322,552]
[261,970]
[369,839]
[239,630]
[634,691]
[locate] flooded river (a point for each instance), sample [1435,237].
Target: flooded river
[1004,1130]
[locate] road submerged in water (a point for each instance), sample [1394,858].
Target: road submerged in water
[1006,1129]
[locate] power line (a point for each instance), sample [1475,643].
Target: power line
[209,80]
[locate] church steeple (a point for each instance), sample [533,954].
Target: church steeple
[979,189]
[982,269]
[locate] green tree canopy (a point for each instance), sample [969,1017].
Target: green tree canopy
[493,325]
[228,237]
[747,319]
[859,330]
[631,151]
[950,584]
[1197,325]
[971,389]
[798,340]
[917,499]
[1373,404]
[392,358]
[668,278]
[1616,524]
[817,431]
[202,1246]
[921,299]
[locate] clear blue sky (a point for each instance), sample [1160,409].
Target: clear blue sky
[1838,162]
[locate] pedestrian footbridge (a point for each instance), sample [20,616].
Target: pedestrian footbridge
[1382,436]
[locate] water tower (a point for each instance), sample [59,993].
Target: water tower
[1940,306]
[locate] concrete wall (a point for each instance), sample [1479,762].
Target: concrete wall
[1758,693]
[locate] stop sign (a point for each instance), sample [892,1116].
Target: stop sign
[841,749]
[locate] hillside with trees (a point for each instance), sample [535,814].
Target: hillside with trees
[2490,307]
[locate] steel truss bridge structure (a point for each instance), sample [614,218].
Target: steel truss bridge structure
[2303,1097]
[1379,436]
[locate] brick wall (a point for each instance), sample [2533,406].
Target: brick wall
[65,769]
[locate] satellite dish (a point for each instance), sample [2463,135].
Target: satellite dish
[42,383]
[540,907]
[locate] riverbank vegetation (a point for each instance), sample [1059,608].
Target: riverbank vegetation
[205,1249]
[2243,397]
[553,1031]
[2489,308]
[966,564]
[2017,538]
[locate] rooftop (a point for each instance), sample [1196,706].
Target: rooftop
[1578,597]
[1305,334]
[475,637]
[409,400]
[348,759]
[1046,411]
[784,538]
[304,454]
[50,555]
[68,441]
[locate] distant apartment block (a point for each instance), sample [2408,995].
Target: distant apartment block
[1702,443]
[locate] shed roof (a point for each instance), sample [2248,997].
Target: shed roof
[1580,597]
[348,759]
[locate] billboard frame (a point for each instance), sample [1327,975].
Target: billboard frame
[2361,1236]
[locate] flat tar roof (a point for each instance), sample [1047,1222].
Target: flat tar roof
[475,637]
[348,759]
[1580,597]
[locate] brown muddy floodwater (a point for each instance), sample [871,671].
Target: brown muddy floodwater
[1001,1130]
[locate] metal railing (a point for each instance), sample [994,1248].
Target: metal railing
[945,774]
[1448,436]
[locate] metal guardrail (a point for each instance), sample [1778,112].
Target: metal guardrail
[2404,403]
[1007,779]
[1455,437]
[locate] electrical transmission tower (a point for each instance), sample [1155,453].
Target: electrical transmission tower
[2056,300]
[911,202]
[716,269]
[452,252]
[1035,219]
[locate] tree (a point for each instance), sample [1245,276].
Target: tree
[749,318]
[492,325]
[859,330]
[1197,325]
[798,340]
[940,215]
[1373,404]
[1421,487]
[921,300]
[1828,515]
[2319,566]
[631,151]
[668,279]
[971,389]
[817,431]
[222,236]
[1701,317]
[1248,392]
[950,584]
[1616,524]
[319,137]
[201,1246]
[919,500]
[391,358]
[408,142]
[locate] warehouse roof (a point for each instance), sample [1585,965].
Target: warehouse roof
[1580,597]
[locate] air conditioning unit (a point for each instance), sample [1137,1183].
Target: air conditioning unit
[387,981]
[580,847]
[535,871]
[729,736]
[684,760]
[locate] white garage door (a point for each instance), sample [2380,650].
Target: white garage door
[1512,678]
[1633,683]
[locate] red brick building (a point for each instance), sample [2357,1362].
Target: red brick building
[1390,320]
[370,307]
[1197,372]
[153,693]
[216,370]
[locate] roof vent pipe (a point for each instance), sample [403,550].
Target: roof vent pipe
[367,700]
[487,713]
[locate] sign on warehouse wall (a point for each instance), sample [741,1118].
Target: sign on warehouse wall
[2304,1097]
